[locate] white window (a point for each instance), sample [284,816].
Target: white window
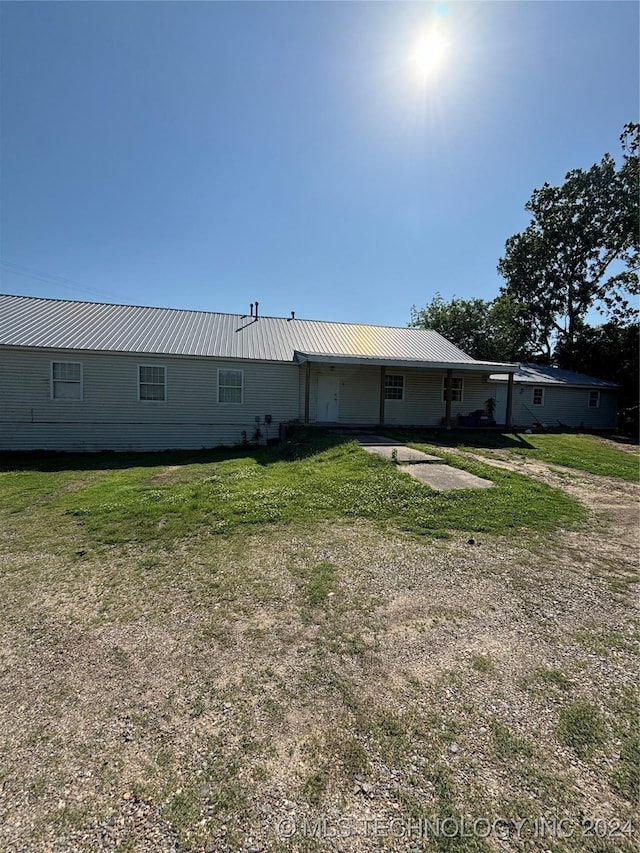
[393,387]
[457,385]
[594,399]
[66,380]
[230,386]
[538,396]
[152,383]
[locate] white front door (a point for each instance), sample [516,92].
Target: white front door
[327,399]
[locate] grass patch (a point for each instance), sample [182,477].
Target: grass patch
[218,492]
[507,745]
[606,641]
[625,779]
[581,451]
[483,664]
[314,787]
[548,678]
[320,584]
[581,727]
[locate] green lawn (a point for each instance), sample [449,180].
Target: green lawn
[581,451]
[145,497]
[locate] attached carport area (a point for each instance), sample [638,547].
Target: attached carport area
[377,391]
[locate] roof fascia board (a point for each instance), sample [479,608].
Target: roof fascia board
[469,366]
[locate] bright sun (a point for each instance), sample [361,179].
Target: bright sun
[430,52]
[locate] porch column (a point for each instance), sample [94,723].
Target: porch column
[307,388]
[508,417]
[447,397]
[383,375]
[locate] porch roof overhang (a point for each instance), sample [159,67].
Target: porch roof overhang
[470,366]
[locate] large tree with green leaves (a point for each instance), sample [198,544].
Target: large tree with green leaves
[580,250]
[489,330]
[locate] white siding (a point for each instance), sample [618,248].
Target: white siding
[422,405]
[569,406]
[111,417]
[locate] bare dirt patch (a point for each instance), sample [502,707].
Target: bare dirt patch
[167,474]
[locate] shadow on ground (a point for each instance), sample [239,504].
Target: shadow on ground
[302,444]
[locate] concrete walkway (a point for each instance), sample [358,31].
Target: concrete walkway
[430,470]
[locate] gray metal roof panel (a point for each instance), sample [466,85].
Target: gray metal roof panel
[542,374]
[61,324]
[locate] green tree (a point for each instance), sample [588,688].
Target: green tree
[489,330]
[580,250]
[611,352]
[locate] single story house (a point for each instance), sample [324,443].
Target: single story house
[82,376]
[553,397]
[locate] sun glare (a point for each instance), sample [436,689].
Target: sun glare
[430,52]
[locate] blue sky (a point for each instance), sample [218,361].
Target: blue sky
[205,155]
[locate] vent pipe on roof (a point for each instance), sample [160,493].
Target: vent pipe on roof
[251,306]
[256,310]
[293,315]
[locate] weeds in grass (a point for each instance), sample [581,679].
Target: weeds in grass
[581,727]
[182,809]
[604,641]
[625,779]
[483,663]
[320,584]
[314,787]
[508,745]
[218,492]
[547,678]
[582,452]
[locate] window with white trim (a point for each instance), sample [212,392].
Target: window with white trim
[230,386]
[393,387]
[594,399]
[457,386]
[538,397]
[152,383]
[66,380]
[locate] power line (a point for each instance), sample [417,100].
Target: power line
[61,281]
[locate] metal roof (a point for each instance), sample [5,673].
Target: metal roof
[27,321]
[542,374]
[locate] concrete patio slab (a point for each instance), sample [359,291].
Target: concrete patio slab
[444,478]
[402,453]
[430,470]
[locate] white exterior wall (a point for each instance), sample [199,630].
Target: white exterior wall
[569,406]
[422,405]
[358,392]
[110,416]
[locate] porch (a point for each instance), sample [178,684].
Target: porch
[364,393]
